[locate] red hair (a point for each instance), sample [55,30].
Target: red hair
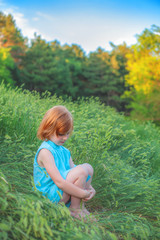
[57,120]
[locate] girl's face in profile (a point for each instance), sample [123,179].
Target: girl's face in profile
[60,138]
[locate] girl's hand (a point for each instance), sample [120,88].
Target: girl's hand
[87,194]
[91,192]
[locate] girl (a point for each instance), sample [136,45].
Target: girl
[55,174]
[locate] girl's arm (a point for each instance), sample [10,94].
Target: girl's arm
[47,159]
[71,163]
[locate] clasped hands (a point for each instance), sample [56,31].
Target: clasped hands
[90,194]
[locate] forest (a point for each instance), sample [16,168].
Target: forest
[126,78]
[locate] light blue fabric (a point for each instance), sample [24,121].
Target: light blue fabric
[42,180]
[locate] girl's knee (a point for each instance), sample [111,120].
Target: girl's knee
[82,171]
[88,168]
[77,172]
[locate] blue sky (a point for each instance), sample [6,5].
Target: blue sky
[88,23]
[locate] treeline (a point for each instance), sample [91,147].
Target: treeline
[127,78]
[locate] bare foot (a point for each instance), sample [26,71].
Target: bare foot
[85,211]
[82,214]
[77,213]
[89,215]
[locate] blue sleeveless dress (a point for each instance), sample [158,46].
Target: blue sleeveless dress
[42,180]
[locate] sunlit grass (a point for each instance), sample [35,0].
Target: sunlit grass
[125,157]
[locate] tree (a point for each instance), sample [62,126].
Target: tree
[11,37]
[44,68]
[119,63]
[144,75]
[7,67]
[97,65]
[104,73]
[75,60]
[36,66]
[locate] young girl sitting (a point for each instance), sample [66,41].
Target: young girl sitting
[55,174]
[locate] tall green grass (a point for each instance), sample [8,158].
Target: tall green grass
[125,156]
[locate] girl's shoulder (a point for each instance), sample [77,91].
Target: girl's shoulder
[52,147]
[45,145]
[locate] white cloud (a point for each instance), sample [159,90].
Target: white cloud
[21,22]
[35,19]
[128,40]
[45,16]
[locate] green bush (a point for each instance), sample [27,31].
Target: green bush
[124,155]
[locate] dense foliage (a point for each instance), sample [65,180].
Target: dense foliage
[124,154]
[144,75]
[7,67]
[126,78]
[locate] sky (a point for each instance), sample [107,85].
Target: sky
[87,23]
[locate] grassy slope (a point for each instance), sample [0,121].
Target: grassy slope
[125,157]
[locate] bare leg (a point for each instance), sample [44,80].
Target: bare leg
[89,168]
[77,176]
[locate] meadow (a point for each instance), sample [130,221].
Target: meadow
[125,155]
